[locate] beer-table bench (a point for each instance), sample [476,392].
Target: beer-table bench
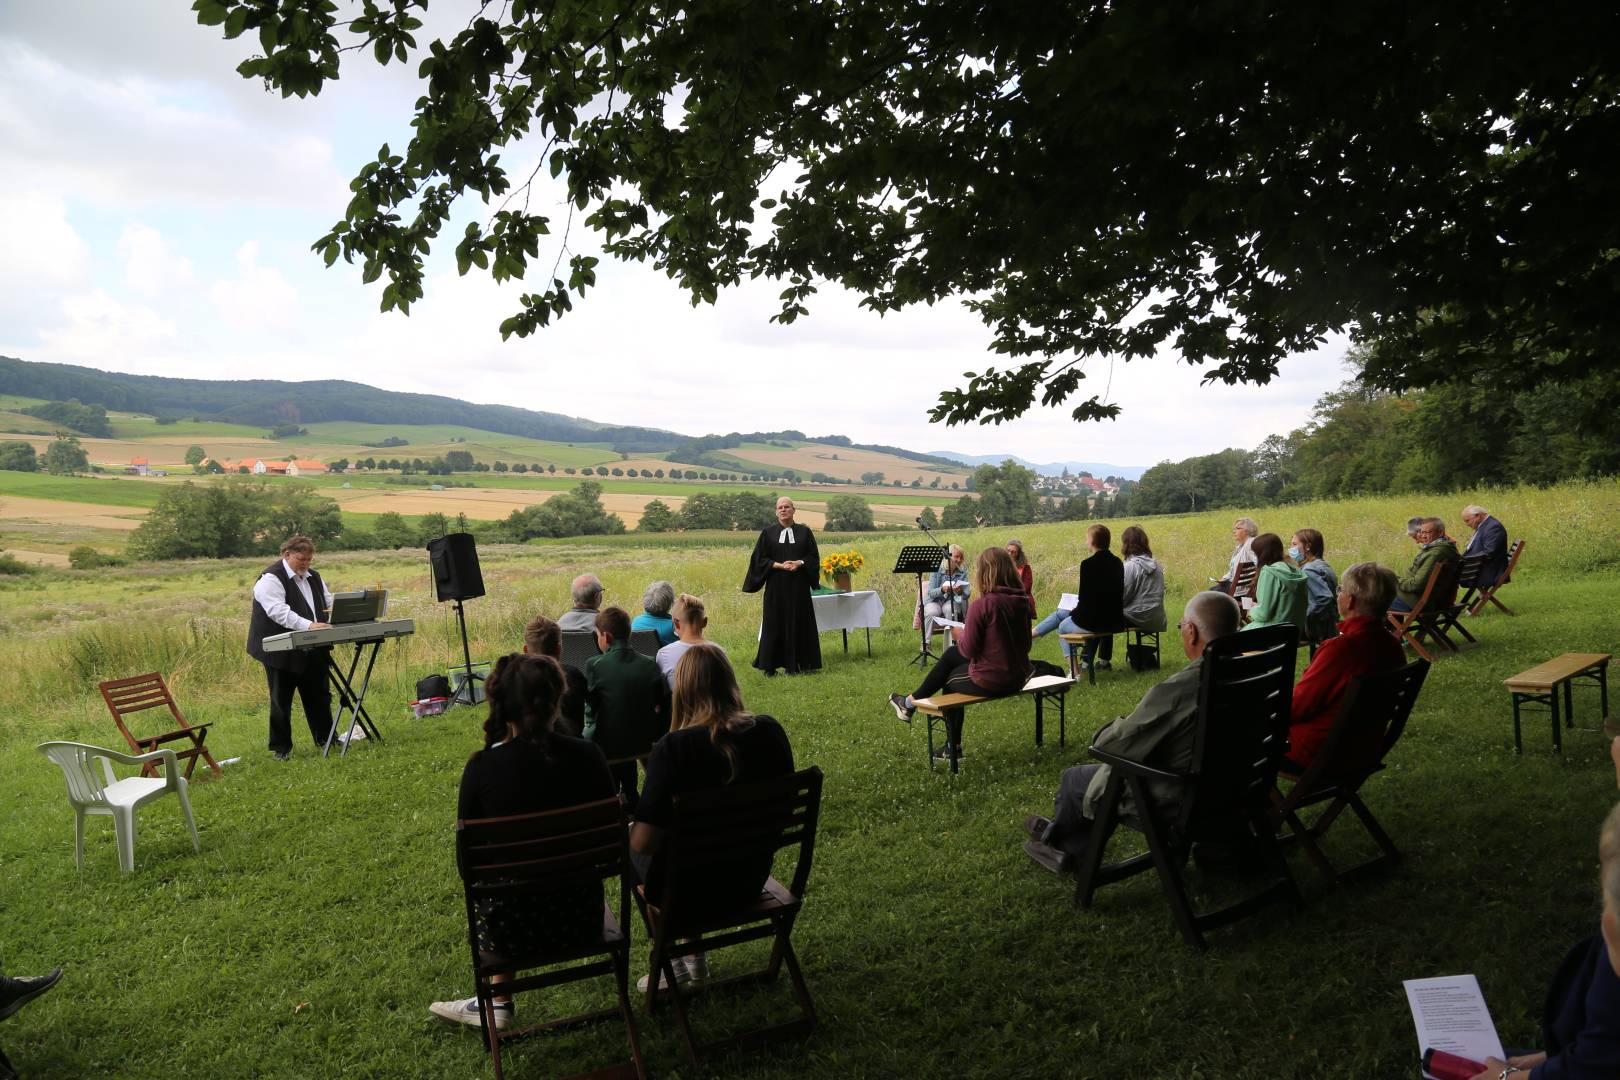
[1042,688]
[1542,683]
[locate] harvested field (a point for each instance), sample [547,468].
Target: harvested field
[843,462]
[493,505]
[40,558]
[90,515]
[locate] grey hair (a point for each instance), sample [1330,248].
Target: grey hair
[1468,511]
[1248,525]
[1414,524]
[1371,586]
[658,598]
[1439,525]
[587,591]
[1215,614]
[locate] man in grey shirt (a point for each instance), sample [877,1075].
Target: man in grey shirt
[587,593]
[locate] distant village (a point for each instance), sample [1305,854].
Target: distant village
[1069,484]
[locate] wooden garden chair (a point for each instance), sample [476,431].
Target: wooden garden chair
[1487,595]
[1423,621]
[538,862]
[712,832]
[1449,616]
[1370,721]
[125,697]
[1244,697]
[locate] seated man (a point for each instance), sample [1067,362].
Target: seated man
[542,638]
[626,700]
[587,593]
[1490,540]
[690,622]
[1364,646]
[1433,548]
[1159,732]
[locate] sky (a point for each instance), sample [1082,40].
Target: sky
[157,212]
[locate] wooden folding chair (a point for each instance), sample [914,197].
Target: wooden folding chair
[1449,616]
[711,834]
[1423,621]
[1244,697]
[125,697]
[540,862]
[1369,723]
[1487,595]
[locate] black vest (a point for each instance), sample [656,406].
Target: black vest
[261,625]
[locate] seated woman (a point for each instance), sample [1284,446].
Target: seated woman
[1101,601]
[948,590]
[1026,573]
[526,767]
[1280,594]
[713,742]
[542,637]
[1244,530]
[1363,646]
[655,603]
[1581,1026]
[1144,583]
[1321,585]
[690,622]
[991,654]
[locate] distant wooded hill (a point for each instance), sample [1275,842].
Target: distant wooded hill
[270,402]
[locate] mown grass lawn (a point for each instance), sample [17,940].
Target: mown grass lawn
[324,913]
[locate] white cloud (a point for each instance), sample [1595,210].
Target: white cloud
[258,298]
[102,332]
[38,245]
[149,267]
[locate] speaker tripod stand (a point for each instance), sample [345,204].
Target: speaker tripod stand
[466,683]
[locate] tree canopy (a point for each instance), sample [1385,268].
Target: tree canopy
[1230,181]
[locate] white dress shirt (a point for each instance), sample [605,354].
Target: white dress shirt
[271,596]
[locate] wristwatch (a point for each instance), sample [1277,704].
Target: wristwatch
[1509,1071]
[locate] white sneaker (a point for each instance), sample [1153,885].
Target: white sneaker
[683,975]
[697,968]
[466,1012]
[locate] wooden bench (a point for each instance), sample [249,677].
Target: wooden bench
[1540,686]
[1042,688]
[1075,641]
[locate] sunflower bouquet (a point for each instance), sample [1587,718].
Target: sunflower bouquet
[842,563]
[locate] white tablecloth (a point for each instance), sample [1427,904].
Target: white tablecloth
[848,611]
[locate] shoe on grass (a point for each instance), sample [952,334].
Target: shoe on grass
[697,968]
[1105,665]
[683,975]
[944,754]
[15,993]
[281,755]
[1036,825]
[466,1012]
[901,709]
[1048,856]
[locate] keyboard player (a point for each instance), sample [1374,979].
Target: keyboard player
[291,596]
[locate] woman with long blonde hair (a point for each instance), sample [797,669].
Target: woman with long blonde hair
[991,654]
[713,741]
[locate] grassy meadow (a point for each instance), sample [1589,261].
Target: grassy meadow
[324,912]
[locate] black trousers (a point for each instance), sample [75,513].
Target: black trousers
[1070,831]
[313,690]
[950,672]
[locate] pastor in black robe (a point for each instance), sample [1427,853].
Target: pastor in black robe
[787,637]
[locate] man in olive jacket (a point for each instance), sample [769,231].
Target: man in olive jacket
[626,700]
[1434,549]
[1159,732]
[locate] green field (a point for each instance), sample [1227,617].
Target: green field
[324,913]
[142,426]
[17,401]
[99,490]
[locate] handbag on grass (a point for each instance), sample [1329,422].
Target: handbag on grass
[1142,657]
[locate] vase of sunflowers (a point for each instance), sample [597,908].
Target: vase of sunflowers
[840,565]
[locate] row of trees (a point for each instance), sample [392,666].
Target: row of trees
[1363,440]
[63,457]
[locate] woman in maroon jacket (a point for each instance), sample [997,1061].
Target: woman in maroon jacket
[991,654]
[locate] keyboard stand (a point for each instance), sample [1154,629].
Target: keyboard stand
[350,699]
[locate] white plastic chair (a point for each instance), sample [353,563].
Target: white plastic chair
[118,799]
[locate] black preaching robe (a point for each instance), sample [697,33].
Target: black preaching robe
[787,637]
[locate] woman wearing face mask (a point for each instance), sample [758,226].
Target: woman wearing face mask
[1280,595]
[1321,611]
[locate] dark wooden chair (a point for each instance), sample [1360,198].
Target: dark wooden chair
[534,861]
[645,642]
[1370,721]
[712,831]
[1244,697]
[1422,623]
[578,646]
[1449,617]
[125,697]
[1487,595]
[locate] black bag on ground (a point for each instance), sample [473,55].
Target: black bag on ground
[1142,657]
[434,686]
[1037,668]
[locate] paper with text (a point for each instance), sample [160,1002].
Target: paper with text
[1451,1015]
[1069,601]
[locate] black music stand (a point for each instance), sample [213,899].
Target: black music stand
[920,559]
[351,699]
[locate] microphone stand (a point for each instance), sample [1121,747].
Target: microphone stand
[955,604]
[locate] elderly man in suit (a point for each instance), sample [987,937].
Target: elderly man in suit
[1490,540]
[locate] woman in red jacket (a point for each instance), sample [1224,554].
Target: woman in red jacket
[991,654]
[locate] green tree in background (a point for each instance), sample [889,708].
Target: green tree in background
[18,456]
[391,530]
[237,517]
[707,511]
[849,513]
[195,455]
[459,460]
[657,517]
[65,456]
[431,527]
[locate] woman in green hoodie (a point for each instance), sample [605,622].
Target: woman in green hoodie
[1282,595]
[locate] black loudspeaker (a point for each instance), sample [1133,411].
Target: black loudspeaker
[455,567]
